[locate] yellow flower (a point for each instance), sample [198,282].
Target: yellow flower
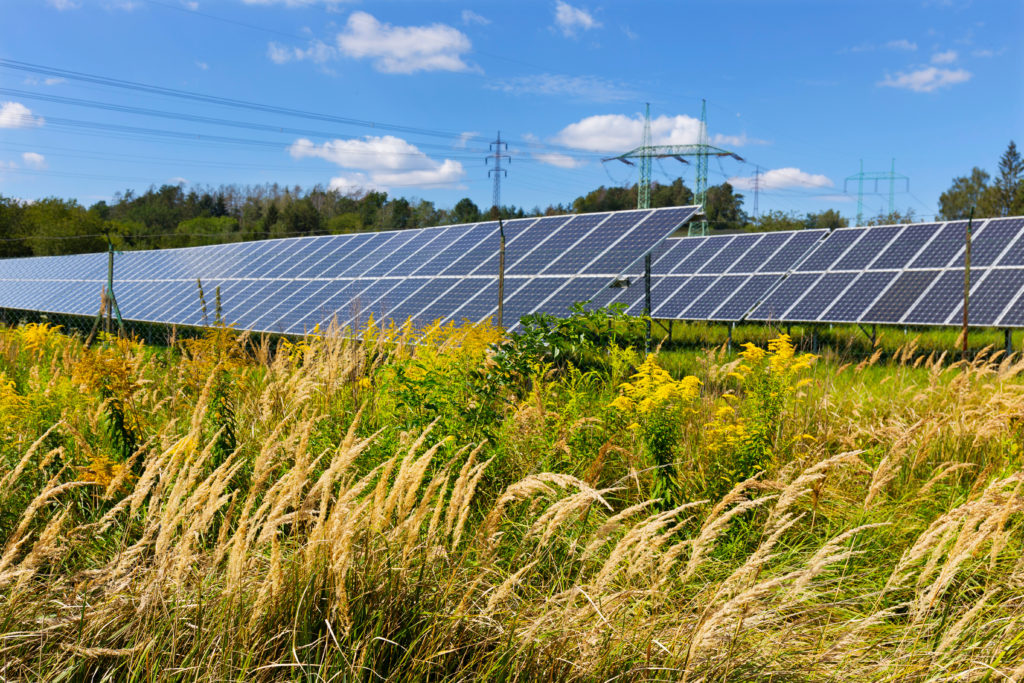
[365,383]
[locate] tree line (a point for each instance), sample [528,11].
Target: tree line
[176,216]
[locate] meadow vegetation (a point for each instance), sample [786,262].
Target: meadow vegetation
[453,505]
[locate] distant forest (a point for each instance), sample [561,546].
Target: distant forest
[176,216]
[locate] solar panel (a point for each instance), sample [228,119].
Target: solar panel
[687,291]
[867,248]
[744,298]
[795,249]
[900,296]
[947,243]
[820,297]
[939,301]
[990,296]
[858,297]
[761,253]
[905,247]
[832,249]
[714,296]
[1014,255]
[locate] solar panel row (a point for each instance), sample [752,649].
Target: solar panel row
[911,275]
[292,285]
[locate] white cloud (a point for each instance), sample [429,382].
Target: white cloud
[353,184]
[125,5]
[465,137]
[740,140]
[388,160]
[63,5]
[469,17]
[559,160]
[947,57]
[926,79]
[569,19]
[620,133]
[177,180]
[780,178]
[34,160]
[317,52]
[294,3]
[589,88]
[901,44]
[190,5]
[17,115]
[404,49]
[31,80]
[203,65]
[984,53]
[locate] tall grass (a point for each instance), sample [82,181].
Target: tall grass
[388,510]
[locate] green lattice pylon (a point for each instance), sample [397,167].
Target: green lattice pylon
[647,152]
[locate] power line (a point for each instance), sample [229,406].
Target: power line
[135,86]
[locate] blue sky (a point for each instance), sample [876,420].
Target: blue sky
[404,96]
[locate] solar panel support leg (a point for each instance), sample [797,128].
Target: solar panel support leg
[1008,339]
[647,300]
[728,339]
[814,339]
[789,331]
[874,337]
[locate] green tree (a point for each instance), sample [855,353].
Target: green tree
[207,230]
[828,219]
[776,219]
[966,191]
[465,211]
[724,208]
[12,229]
[1009,185]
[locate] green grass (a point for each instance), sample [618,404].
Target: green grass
[380,510]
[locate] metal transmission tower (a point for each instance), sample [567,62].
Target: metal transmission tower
[499,151]
[757,187]
[892,176]
[643,189]
[702,150]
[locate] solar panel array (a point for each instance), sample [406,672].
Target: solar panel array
[896,274]
[907,274]
[292,285]
[716,278]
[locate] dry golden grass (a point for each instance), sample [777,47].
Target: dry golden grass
[334,541]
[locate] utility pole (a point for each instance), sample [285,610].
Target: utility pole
[757,187]
[702,150]
[499,151]
[892,176]
[108,302]
[967,281]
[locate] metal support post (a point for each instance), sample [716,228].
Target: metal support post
[874,336]
[501,274]
[1008,340]
[814,339]
[967,281]
[728,339]
[647,301]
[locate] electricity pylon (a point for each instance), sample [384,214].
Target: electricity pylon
[702,150]
[891,176]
